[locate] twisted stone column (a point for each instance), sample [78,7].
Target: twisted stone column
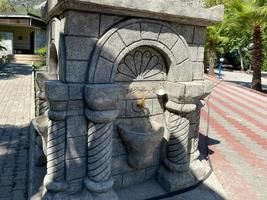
[57,94]
[55,176]
[102,110]
[177,148]
[175,174]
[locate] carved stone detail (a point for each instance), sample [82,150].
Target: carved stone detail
[55,177]
[142,64]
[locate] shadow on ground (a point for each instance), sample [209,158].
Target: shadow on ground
[14,70]
[13,161]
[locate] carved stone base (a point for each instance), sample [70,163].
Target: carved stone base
[84,195]
[110,195]
[173,181]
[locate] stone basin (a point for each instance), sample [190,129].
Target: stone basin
[141,139]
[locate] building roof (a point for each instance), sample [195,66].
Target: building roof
[26,20]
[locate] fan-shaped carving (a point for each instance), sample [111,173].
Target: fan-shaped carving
[144,63]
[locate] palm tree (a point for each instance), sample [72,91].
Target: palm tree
[213,45]
[246,15]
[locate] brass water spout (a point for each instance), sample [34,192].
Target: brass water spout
[141,103]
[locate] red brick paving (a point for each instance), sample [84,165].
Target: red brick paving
[253,183]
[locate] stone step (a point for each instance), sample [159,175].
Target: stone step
[24,58]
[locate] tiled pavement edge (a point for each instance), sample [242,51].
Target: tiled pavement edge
[238,140]
[16,112]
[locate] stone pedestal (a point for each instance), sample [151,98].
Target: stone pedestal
[124,106]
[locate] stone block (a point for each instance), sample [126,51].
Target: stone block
[103,71]
[113,47]
[118,148]
[75,91]
[100,97]
[76,71]
[198,70]
[75,168]
[117,179]
[199,35]
[107,21]
[82,23]
[200,53]
[76,105]
[76,126]
[130,34]
[120,165]
[122,108]
[193,49]
[180,51]
[76,147]
[58,105]
[151,172]
[150,31]
[79,48]
[194,91]
[182,72]
[156,107]
[174,90]
[186,31]
[134,177]
[56,90]
[168,37]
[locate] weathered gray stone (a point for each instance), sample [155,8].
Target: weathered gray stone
[135,33]
[113,46]
[79,48]
[56,90]
[107,21]
[168,37]
[75,91]
[76,71]
[82,23]
[198,70]
[199,35]
[133,178]
[150,31]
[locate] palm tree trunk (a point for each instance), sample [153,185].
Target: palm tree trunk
[241,59]
[212,59]
[257,58]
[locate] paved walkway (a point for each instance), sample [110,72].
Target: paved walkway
[15,115]
[238,140]
[242,78]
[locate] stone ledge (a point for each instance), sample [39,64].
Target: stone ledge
[164,10]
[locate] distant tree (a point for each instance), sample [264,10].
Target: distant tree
[6,6]
[214,45]
[246,15]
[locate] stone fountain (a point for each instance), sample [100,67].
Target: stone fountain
[124,87]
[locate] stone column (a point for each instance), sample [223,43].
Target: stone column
[175,174]
[57,94]
[101,111]
[194,154]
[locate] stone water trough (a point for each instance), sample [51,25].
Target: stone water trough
[121,98]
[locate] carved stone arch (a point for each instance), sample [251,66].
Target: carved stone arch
[131,34]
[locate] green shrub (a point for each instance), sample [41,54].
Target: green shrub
[42,53]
